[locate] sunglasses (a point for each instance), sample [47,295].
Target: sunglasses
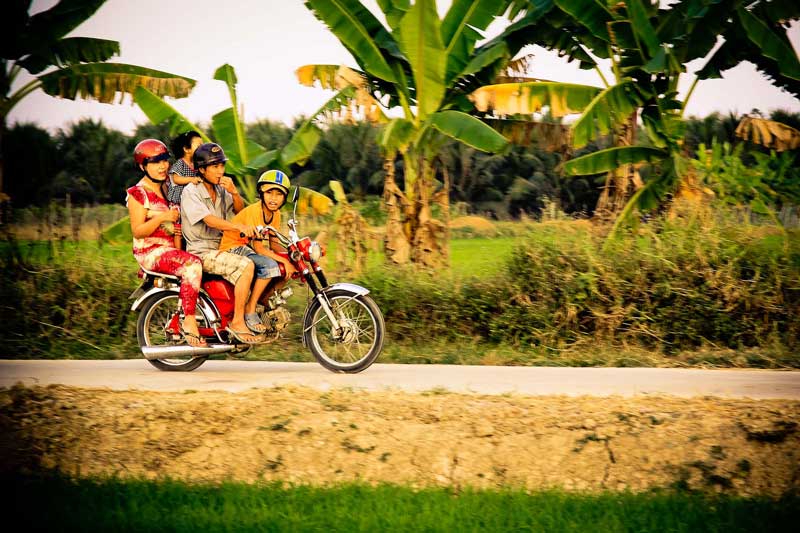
[158,158]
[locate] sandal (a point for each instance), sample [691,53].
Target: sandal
[254,322]
[189,337]
[242,336]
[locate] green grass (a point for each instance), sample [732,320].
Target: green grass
[58,504]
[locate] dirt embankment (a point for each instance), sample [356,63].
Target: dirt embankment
[301,435]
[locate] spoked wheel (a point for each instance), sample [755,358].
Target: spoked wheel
[155,327]
[357,342]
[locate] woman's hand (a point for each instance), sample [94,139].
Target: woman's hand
[170,215]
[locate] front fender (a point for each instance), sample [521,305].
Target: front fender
[352,287]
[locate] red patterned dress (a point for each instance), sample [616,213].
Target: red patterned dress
[157,251]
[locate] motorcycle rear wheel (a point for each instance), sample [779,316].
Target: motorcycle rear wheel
[359,343]
[151,330]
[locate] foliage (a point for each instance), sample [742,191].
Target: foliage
[772,180]
[423,67]
[688,283]
[48,502]
[648,48]
[69,67]
[66,304]
[30,160]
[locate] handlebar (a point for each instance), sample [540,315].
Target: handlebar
[266,232]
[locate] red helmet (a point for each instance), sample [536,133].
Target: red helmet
[150,151]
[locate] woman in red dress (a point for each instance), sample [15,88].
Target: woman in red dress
[153,224]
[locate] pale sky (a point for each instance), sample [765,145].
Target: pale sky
[266,40]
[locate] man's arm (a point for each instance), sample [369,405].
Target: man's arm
[227,184]
[213,221]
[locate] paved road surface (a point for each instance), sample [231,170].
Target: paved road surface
[234,376]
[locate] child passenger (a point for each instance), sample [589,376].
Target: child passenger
[273,188]
[182,171]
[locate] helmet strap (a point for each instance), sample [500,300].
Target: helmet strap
[203,175]
[151,178]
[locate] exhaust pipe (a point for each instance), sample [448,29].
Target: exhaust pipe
[165,352]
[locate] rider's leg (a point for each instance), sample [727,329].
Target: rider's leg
[238,270]
[190,270]
[266,270]
[240,292]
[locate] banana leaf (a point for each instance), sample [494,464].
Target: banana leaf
[358,30]
[770,44]
[461,29]
[590,14]
[527,98]
[421,41]
[612,158]
[396,136]
[310,201]
[610,107]
[103,81]
[70,51]
[469,130]
[338,191]
[157,110]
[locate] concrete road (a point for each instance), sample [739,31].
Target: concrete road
[234,376]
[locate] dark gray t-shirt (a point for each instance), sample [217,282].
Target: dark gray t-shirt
[196,204]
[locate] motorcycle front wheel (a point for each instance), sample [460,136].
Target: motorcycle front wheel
[153,329]
[357,342]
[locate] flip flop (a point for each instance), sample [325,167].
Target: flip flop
[201,342]
[253,322]
[241,336]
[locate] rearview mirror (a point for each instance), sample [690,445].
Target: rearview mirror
[295,194]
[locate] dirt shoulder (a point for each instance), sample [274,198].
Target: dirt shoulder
[302,435]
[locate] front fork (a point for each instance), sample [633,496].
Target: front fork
[319,294]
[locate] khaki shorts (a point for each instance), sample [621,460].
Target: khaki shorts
[229,266]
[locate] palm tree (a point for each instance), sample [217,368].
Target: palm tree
[67,67]
[421,67]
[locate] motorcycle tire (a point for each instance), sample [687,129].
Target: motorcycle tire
[154,315]
[360,340]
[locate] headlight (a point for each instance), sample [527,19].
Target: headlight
[314,251]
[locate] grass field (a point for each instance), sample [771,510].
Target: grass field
[59,504]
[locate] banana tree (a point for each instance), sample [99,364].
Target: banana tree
[648,49]
[246,158]
[421,68]
[38,43]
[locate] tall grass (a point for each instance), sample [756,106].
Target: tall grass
[65,299]
[702,288]
[698,282]
[58,504]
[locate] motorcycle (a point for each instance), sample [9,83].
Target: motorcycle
[342,325]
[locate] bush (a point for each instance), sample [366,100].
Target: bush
[71,301]
[677,284]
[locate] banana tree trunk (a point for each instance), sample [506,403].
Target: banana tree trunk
[396,243]
[428,244]
[412,234]
[621,183]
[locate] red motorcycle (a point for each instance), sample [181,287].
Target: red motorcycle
[342,325]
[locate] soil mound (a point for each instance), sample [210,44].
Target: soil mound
[301,435]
